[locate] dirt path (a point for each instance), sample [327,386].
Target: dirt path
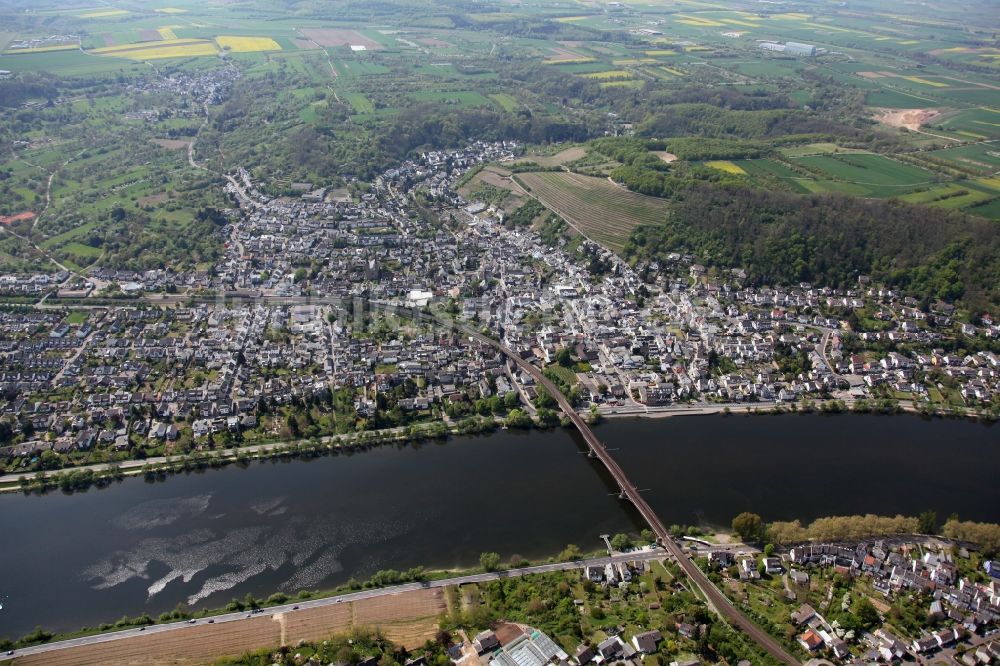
[329,61]
[48,186]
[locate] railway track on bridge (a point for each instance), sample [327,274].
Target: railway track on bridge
[717,600]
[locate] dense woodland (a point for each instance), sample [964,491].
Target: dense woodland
[783,238]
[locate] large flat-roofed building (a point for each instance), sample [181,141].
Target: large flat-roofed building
[797,48]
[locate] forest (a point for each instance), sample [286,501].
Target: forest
[830,239]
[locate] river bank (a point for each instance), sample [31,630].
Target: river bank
[74,478]
[279,603]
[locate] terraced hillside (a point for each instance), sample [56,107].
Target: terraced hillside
[600,210]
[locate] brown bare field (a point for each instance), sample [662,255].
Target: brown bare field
[563,55]
[153,199]
[495,177]
[339,37]
[562,157]
[10,219]
[170,144]
[407,618]
[434,43]
[192,645]
[911,119]
[109,39]
[149,35]
[304,44]
[665,156]
[499,178]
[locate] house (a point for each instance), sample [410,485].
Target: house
[946,637]
[810,640]
[748,569]
[584,654]
[992,568]
[839,647]
[803,614]
[85,440]
[485,641]
[772,565]
[686,630]
[611,649]
[721,557]
[647,641]
[925,644]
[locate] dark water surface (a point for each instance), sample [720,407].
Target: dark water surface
[202,539]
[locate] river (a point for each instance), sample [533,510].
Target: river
[204,538]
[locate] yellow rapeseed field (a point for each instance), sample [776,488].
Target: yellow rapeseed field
[697,21]
[992,183]
[568,61]
[167,33]
[933,84]
[136,46]
[621,84]
[611,74]
[168,48]
[727,166]
[247,44]
[104,13]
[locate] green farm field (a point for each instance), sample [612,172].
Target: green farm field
[982,158]
[880,175]
[953,195]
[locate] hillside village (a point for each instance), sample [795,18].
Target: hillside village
[304,309]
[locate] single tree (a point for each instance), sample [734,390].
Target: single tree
[927,522]
[489,561]
[748,526]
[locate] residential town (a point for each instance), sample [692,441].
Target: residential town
[957,605]
[323,299]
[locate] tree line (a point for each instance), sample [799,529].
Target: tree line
[751,528]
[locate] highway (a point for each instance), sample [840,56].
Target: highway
[717,600]
[643,555]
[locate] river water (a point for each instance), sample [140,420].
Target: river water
[203,538]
